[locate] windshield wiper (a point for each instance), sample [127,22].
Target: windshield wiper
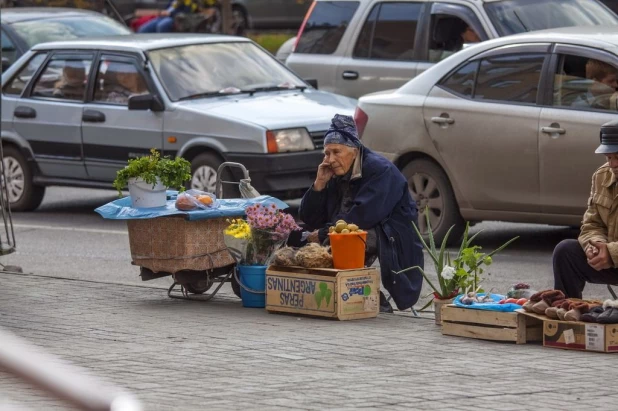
[273,88]
[200,95]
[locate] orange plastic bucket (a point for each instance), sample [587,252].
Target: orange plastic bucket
[348,250]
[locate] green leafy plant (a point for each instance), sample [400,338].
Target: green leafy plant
[172,173]
[458,274]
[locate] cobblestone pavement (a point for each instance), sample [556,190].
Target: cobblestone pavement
[176,354]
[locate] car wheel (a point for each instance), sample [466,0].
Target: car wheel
[204,176]
[430,188]
[22,194]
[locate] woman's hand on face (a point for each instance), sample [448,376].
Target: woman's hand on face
[325,173]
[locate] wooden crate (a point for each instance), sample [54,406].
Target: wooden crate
[490,325]
[340,294]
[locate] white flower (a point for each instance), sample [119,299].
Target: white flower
[448,272]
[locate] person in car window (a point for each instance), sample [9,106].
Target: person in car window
[165,22]
[604,85]
[593,257]
[124,84]
[72,85]
[358,186]
[462,34]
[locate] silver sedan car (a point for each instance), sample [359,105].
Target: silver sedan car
[505,130]
[73,113]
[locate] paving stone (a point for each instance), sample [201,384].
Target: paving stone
[175,354]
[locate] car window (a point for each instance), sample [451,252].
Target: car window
[323,30]
[519,16]
[64,79]
[117,81]
[389,32]
[219,68]
[583,83]
[462,80]
[453,27]
[17,85]
[9,51]
[66,28]
[513,78]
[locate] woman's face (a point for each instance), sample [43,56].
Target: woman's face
[339,157]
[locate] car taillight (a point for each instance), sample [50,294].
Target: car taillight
[302,26]
[360,118]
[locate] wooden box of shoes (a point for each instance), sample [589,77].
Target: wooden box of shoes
[323,292]
[491,325]
[578,335]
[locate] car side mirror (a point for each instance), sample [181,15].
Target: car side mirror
[145,102]
[6,63]
[312,82]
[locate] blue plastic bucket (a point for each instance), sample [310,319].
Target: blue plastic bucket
[252,285]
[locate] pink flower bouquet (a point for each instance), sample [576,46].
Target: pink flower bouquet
[270,229]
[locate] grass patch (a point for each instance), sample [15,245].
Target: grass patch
[271,42]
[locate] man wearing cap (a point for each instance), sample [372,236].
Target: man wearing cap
[593,257]
[361,187]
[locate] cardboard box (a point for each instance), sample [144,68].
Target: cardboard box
[490,325]
[577,335]
[341,294]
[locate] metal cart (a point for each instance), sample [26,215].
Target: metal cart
[7,235]
[193,284]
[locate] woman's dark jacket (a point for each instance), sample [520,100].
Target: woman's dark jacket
[380,200]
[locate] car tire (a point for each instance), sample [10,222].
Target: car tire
[204,175]
[430,187]
[22,193]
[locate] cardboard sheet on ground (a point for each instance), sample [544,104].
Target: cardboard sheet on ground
[506,308]
[235,207]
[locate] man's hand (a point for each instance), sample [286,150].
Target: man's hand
[325,173]
[602,260]
[313,237]
[591,252]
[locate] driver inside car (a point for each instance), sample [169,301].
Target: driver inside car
[603,88]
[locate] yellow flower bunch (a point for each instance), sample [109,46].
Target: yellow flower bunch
[238,228]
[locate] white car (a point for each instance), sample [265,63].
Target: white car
[505,130]
[74,112]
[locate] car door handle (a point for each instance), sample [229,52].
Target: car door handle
[349,75]
[93,116]
[442,120]
[553,130]
[24,112]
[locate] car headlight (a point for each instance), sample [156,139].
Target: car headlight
[293,139]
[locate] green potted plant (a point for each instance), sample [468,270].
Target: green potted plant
[148,178]
[454,275]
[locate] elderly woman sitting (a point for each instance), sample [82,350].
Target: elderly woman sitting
[361,187]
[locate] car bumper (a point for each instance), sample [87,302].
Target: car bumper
[280,173]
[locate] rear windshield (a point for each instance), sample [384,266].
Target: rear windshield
[325,27]
[67,28]
[518,16]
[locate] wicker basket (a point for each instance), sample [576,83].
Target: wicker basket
[172,244]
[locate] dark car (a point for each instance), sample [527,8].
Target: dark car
[23,28]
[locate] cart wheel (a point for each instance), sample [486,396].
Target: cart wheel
[235,286]
[199,287]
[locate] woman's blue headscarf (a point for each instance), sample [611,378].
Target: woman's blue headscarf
[342,131]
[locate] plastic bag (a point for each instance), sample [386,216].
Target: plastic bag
[196,200]
[520,290]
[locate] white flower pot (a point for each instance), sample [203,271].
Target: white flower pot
[144,195]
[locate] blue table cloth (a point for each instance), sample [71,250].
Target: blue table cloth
[121,209]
